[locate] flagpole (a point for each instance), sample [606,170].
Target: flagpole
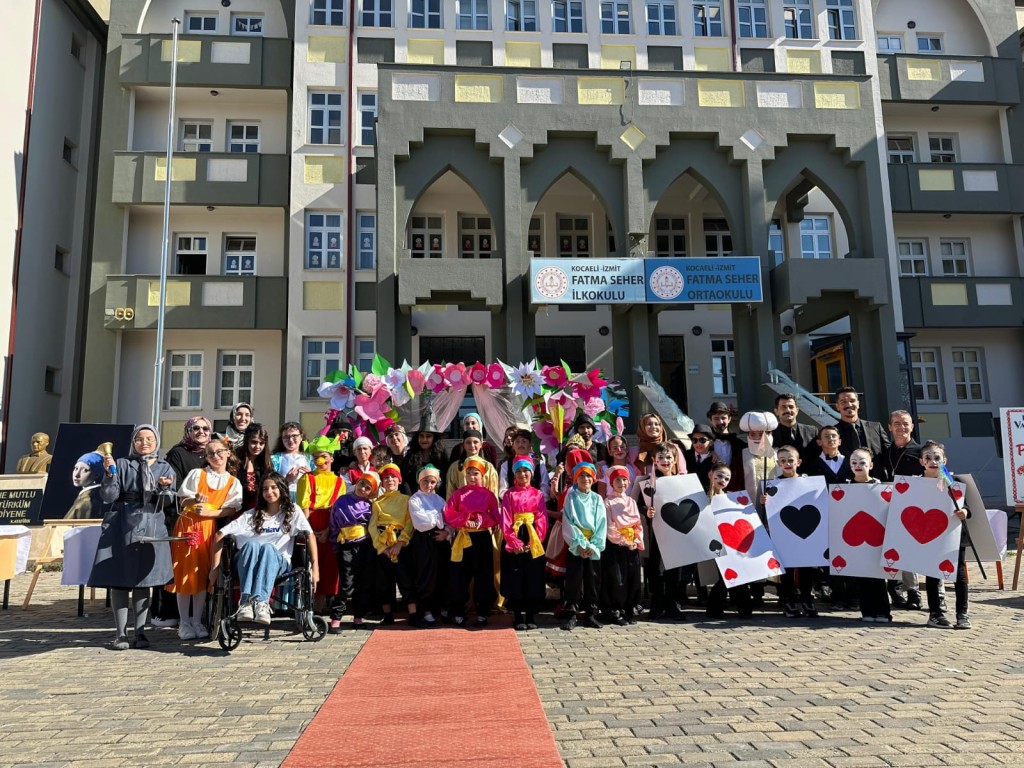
[158,363]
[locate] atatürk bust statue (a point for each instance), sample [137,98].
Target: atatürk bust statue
[38,461]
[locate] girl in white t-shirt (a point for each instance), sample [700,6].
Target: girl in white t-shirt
[265,537]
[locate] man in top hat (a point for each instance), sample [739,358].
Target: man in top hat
[727,446]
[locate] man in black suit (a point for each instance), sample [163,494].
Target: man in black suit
[854,431]
[727,446]
[803,437]
[700,457]
[830,462]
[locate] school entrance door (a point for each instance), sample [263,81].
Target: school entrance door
[453,349]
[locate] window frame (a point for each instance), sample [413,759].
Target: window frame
[237,369]
[705,20]
[184,140]
[251,17]
[325,228]
[427,14]
[889,37]
[332,13]
[720,232]
[245,142]
[480,228]
[574,16]
[922,383]
[841,16]
[365,355]
[904,157]
[910,258]
[658,27]
[963,366]
[579,223]
[752,22]
[324,358]
[241,270]
[328,109]
[473,19]
[365,110]
[379,17]
[525,17]
[191,250]
[610,12]
[777,237]
[802,20]
[205,16]
[815,233]
[671,234]
[952,153]
[188,367]
[429,231]
[723,366]
[965,257]
[362,230]
[931,36]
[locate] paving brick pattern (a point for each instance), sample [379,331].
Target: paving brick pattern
[767,692]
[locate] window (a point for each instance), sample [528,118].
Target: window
[927,375]
[60,259]
[942,148]
[890,43]
[476,237]
[753,18]
[615,17]
[240,255]
[521,15]
[323,240]
[913,257]
[196,136]
[243,137]
[320,357]
[842,23]
[190,254]
[425,14]
[956,260]
[367,117]
[661,18]
[325,117]
[246,24]
[796,17]
[366,350]
[573,237]
[929,43]
[200,23]
[776,243]
[51,380]
[376,13]
[816,237]
[669,236]
[723,366]
[901,149]
[235,380]
[70,153]
[426,237]
[185,379]
[367,239]
[717,239]
[328,13]
[967,374]
[567,16]
[707,19]
[535,237]
[473,14]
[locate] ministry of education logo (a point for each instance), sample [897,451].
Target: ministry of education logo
[666,283]
[552,282]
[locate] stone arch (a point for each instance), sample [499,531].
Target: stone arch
[972,6]
[286,20]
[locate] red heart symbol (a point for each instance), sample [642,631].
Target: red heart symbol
[924,526]
[838,494]
[891,555]
[958,494]
[862,528]
[887,494]
[773,563]
[947,568]
[839,562]
[902,487]
[738,535]
[891,571]
[730,574]
[742,500]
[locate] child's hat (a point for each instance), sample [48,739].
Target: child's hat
[322,444]
[584,468]
[390,469]
[372,478]
[359,442]
[617,471]
[474,462]
[522,462]
[430,471]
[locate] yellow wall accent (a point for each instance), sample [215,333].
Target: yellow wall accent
[720,93]
[327,49]
[837,95]
[949,294]
[188,50]
[803,62]
[936,180]
[612,55]
[712,60]
[522,54]
[426,52]
[324,169]
[323,295]
[479,89]
[933,426]
[182,169]
[179,293]
[171,431]
[600,90]
[924,69]
[633,137]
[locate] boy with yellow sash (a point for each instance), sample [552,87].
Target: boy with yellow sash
[472,510]
[620,575]
[584,526]
[524,523]
[391,530]
[349,530]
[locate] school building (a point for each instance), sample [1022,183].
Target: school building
[379,176]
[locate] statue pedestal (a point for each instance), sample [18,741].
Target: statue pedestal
[21,499]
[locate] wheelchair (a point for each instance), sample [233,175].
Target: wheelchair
[298,600]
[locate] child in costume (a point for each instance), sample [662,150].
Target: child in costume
[788,460]
[353,549]
[874,595]
[721,475]
[524,524]
[315,493]
[933,459]
[620,577]
[207,494]
[584,526]
[472,445]
[666,585]
[472,510]
[431,550]
[391,530]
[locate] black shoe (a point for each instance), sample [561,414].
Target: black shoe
[141,641]
[334,629]
[897,600]
[962,621]
[570,623]
[757,603]
[120,643]
[621,621]
[481,621]
[809,609]
[913,600]
[654,614]
[389,618]
[592,622]
[416,621]
[714,613]
[939,621]
[746,613]
[631,620]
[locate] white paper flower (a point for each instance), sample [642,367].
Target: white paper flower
[394,380]
[526,380]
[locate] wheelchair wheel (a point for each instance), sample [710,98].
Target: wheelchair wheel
[229,635]
[313,627]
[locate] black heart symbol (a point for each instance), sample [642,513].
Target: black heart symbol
[772,490]
[803,521]
[715,546]
[825,555]
[681,516]
[649,492]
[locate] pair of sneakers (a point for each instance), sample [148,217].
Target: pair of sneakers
[192,630]
[939,621]
[253,610]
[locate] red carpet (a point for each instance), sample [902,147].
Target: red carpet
[432,698]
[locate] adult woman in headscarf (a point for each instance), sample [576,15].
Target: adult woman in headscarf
[649,432]
[190,452]
[138,492]
[238,421]
[472,422]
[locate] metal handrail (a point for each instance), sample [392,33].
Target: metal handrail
[824,409]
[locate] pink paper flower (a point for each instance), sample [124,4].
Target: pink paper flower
[372,382]
[593,406]
[555,376]
[373,408]
[495,376]
[456,375]
[436,381]
[591,387]
[478,373]
[545,430]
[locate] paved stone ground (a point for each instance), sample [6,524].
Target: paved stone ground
[767,692]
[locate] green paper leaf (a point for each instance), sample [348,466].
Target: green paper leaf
[380,366]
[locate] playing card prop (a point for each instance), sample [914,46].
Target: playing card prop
[922,534]
[857,513]
[798,510]
[685,528]
[980,525]
[747,553]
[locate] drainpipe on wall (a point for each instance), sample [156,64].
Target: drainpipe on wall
[734,44]
[22,187]
[350,181]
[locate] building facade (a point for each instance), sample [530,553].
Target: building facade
[377,178]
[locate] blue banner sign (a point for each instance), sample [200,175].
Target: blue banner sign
[719,280]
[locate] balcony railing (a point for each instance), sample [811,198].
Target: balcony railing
[949,79]
[962,302]
[209,61]
[957,187]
